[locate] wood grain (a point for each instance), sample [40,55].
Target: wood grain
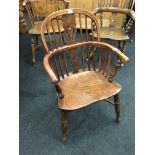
[85,88]
[116,34]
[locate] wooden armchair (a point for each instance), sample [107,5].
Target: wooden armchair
[80,81]
[116,29]
[37,10]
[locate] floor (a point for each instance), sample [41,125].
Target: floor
[92,130]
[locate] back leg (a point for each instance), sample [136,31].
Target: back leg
[117,107]
[64,125]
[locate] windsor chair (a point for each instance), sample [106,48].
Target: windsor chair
[80,81]
[37,10]
[114,31]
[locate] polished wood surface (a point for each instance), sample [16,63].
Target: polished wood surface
[115,34]
[85,88]
[92,81]
[81,68]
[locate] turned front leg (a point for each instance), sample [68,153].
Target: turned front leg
[64,125]
[117,107]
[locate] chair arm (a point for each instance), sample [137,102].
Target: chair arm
[121,55]
[52,76]
[49,70]
[68,48]
[128,12]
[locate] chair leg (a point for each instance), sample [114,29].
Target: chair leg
[64,125]
[119,45]
[33,50]
[123,47]
[37,39]
[63,39]
[117,107]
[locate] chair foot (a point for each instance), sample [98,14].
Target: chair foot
[117,107]
[64,125]
[64,139]
[117,120]
[34,64]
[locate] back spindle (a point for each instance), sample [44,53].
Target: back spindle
[88,55]
[80,27]
[54,34]
[60,65]
[49,36]
[104,61]
[65,64]
[82,58]
[86,27]
[56,67]
[108,62]
[100,59]
[101,19]
[93,51]
[60,34]
[92,30]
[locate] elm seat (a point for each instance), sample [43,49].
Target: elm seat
[36,29]
[116,34]
[85,88]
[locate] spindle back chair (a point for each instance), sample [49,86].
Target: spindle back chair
[80,81]
[66,19]
[37,10]
[114,31]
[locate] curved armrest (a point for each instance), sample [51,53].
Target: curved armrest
[128,12]
[68,48]
[52,76]
[49,70]
[121,55]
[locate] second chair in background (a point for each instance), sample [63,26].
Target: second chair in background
[116,29]
[37,10]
